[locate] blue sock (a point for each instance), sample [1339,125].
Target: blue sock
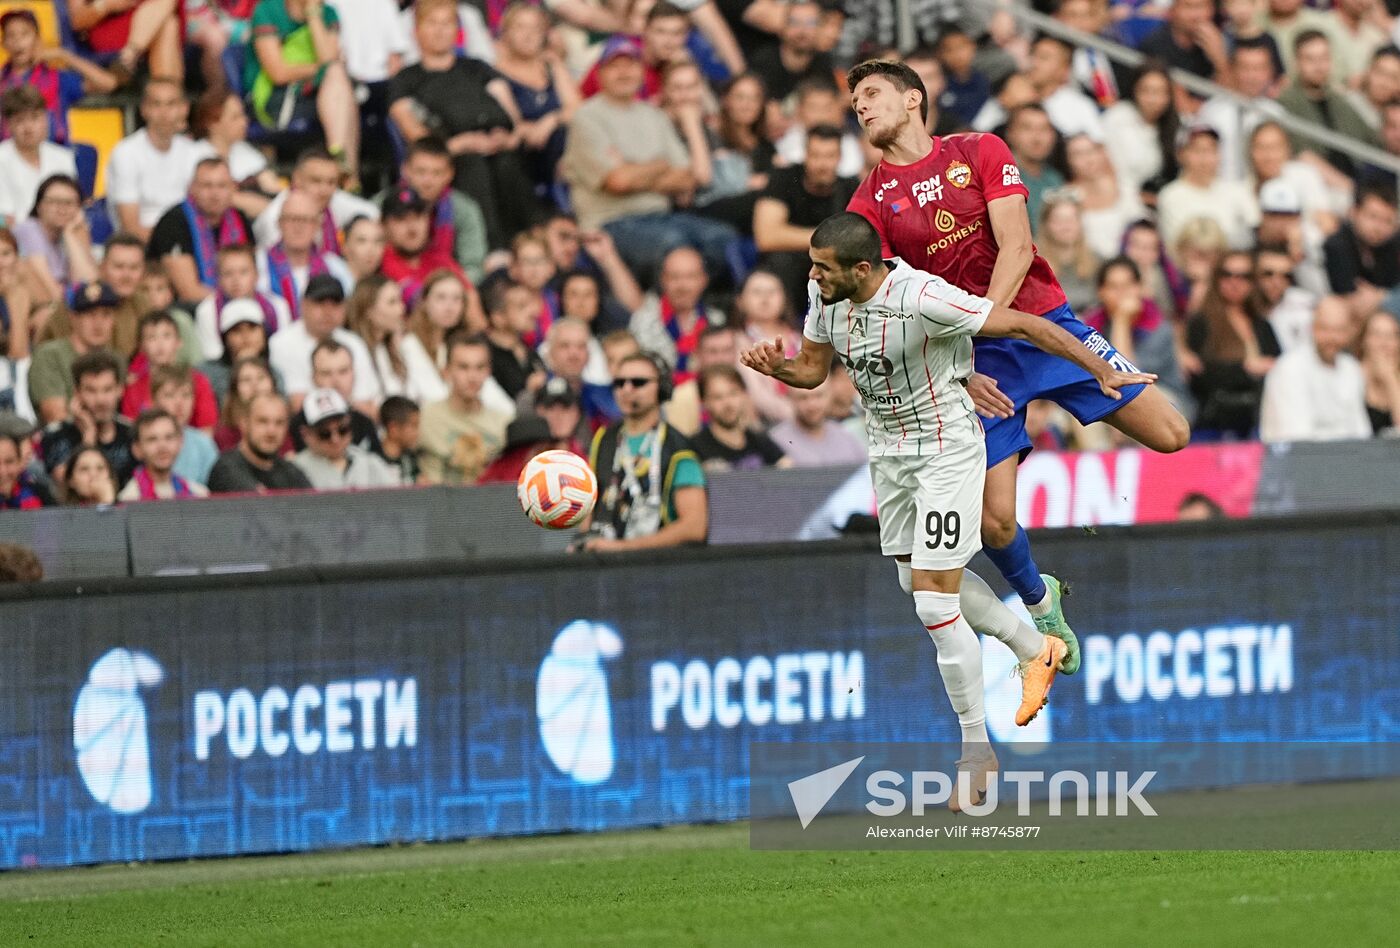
[1018,567]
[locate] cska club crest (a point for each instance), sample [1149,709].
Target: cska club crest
[959,175]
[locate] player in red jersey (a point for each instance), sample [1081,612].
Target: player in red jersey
[955,207]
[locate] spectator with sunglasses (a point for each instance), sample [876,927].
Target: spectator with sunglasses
[651,483]
[330,460]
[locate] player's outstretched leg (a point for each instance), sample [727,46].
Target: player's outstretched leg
[960,665]
[1009,549]
[1037,655]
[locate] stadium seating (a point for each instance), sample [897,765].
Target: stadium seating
[51,28]
[100,129]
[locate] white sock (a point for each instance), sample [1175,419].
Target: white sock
[959,660]
[990,616]
[906,576]
[1042,608]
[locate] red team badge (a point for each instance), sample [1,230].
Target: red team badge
[959,174]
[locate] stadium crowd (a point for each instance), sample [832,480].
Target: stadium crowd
[368,243]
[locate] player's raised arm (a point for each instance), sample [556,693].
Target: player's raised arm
[1045,335]
[808,370]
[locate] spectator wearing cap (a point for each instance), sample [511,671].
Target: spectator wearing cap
[160,344]
[256,464]
[471,106]
[172,391]
[409,255]
[333,367]
[92,418]
[188,237]
[20,489]
[60,77]
[566,355]
[317,175]
[91,321]
[457,227]
[812,438]
[322,318]
[286,268]
[1286,218]
[157,445]
[1311,96]
[527,436]
[330,460]
[671,320]
[398,447]
[237,279]
[662,44]
[150,170]
[242,333]
[1363,256]
[1317,392]
[27,157]
[1200,192]
[627,166]
[55,242]
[460,436]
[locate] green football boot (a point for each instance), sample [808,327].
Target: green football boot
[1054,624]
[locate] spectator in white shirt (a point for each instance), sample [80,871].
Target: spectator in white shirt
[1071,111]
[27,157]
[1288,308]
[323,317]
[1256,77]
[377,315]
[330,461]
[373,39]
[316,174]
[1317,392]
[1199,192]
[150,170]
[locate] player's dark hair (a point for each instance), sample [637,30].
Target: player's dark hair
[396,410]
[828,133]
[1116,263]
[1308,36]
[851,236]
[897,74]
[1377,190]
[96,362]
[712,373]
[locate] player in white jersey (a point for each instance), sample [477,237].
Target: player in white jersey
[905,337]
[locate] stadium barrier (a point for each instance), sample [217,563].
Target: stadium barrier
[305,709]
[241,534]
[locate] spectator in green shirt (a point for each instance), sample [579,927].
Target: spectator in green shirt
[92,321]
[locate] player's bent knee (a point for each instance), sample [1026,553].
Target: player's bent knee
[998,529]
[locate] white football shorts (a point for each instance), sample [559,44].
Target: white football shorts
[930,505]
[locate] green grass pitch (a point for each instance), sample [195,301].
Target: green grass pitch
[704,886]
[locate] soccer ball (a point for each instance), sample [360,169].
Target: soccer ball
[557,489]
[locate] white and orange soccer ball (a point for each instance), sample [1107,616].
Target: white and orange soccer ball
[557,489]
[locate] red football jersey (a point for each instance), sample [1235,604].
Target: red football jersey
[933,215]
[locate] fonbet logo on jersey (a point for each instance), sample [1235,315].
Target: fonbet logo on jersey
[930,190]
[109,730]
[571,701]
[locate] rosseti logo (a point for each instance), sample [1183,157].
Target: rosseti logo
[109,730]
[571,701]
[782,689]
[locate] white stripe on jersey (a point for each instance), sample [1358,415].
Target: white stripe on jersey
[906,348]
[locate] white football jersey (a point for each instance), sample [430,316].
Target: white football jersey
[907,349]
